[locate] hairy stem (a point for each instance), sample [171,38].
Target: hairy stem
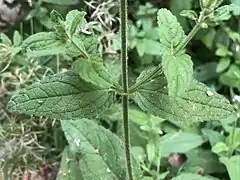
[123,16]
[188,38]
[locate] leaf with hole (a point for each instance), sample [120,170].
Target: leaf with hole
[101,153]
[64,95]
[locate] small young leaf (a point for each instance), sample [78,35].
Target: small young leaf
[58,24]
[43,41]
[5,39]
[171,33]
[232,165]
[223,64]
[189,14]
[64,95]
[92,70]
[196,104]
[235,7]
[74,19]
[220,148]
[179,73]
[69,168]
[231,78]
[82,44]
[151,150]
[222,13]
[101,151]
[17,38]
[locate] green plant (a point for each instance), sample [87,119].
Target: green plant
[89,89]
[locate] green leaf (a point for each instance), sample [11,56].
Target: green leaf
[140,47]
[223,51]
[81,44]
[235,7]
[191,176]
[69,168]
[92,70]
[101,151]
[62,2]
[152,47]
[179,73]
[17,38]
[5,39]
[220,148]
[232,165]
[64,95]
[189,14]
[113,65]
[74,19]
[179,142]
[58,24]
[223,64]
[171,33]
[45,52]
[177,7]
[231,78]
[198,103]
[151,150]
[204,159]
[232,139]
[213,136]
[43,41]
[222,13]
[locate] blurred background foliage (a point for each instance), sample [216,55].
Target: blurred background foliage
[26,143]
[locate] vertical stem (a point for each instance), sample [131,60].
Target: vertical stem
[31,26]
[123,16]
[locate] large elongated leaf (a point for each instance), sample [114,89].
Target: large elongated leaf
[179,73]
[92,70]
[170,31]
[191,176]
[63,95]
[179,142]
[69,168]
[43,41]
[101,151]
[62,2]
[232,165]
[198,103]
